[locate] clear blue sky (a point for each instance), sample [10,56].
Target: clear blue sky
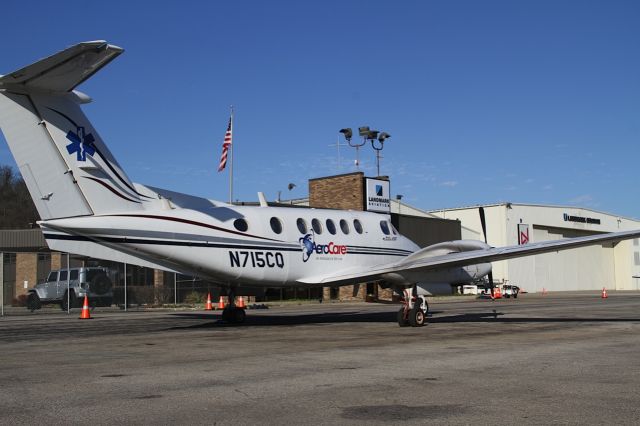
[486,101]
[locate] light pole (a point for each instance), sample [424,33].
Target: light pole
[348,134]
[373,136]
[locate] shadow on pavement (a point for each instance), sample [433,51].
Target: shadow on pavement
[256,319]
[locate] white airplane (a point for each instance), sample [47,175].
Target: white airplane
[89,206]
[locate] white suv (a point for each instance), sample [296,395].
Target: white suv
[92,282]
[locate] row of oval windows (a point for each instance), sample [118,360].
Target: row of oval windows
[276,226]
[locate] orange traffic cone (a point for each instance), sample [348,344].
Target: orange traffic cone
[208,306]
[85,314]
[604,293]
[498,293]
[241,304]
[221,303]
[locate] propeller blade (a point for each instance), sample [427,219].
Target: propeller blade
[483,222]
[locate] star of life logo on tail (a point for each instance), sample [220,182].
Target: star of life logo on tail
[81,144]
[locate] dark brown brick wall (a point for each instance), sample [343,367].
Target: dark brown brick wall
[344,192]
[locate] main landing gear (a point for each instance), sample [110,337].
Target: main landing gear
[414,310]
[231,313]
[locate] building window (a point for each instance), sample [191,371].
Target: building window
[9,258]
[317,226]
[331,227]
[636,258]
[357,226]
[302,225]
[276,225]
[385,227]
[636,242]
[44,257]
[344,226]
[241,225]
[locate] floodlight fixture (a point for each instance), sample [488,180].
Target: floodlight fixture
[347,132]
[383,136]
[364,131]
[373,135]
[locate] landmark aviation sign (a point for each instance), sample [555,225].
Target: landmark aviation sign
[377,196]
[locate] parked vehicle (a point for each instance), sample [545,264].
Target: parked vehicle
[509,290]
[71,286]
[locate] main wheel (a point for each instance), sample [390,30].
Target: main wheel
[33,302]
[238,316]
[402,321]
[416,317]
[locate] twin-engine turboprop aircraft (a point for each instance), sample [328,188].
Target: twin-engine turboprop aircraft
[89,206]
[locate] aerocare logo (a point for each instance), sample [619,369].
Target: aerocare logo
[309,246]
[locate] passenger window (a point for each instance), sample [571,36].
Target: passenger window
[63,275]
[276,225]
[344,226]
[53,277]
[394,230]
[385,227]
[74,274]
[317,226]
[357,226]
[241,225]
[302,225]
[331,227]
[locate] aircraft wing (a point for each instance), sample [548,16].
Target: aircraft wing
[416,263]
[63,71]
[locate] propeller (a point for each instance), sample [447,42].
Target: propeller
[483,222]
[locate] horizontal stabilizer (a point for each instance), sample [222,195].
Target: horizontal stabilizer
[63,71]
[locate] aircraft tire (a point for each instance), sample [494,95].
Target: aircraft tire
[402,321]
[416,317]
[238,316]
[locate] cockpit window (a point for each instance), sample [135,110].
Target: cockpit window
[385,227]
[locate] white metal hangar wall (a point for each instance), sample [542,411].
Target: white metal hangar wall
[614,266]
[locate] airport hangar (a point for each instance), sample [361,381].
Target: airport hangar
[26,260]
[612,266]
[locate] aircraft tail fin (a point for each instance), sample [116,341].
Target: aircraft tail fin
[68,169]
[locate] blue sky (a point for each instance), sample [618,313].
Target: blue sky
[486,101]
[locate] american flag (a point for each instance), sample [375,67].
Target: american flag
[225,147]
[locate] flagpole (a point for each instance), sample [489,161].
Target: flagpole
[231,166]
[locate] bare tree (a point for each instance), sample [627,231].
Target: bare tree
[16,206]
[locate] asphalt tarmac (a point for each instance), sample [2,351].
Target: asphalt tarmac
[558,359]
